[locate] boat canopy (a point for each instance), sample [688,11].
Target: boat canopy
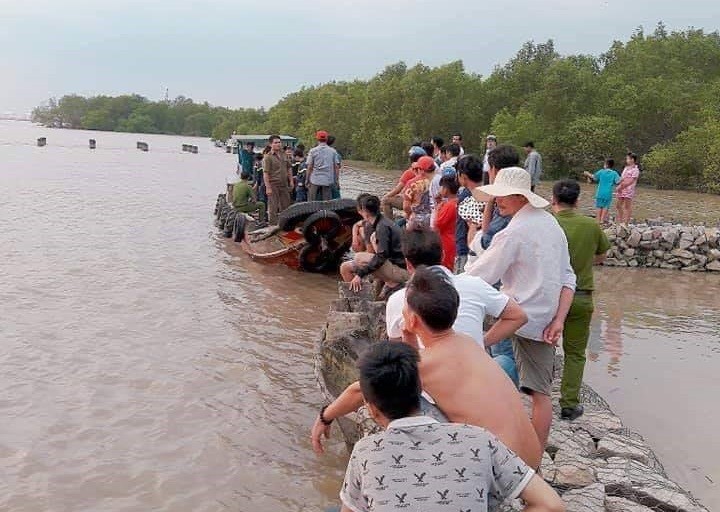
[261,140]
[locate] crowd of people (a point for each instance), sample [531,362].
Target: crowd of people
[273,179]
[482,284]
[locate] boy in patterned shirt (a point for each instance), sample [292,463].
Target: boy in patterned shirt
[416,462]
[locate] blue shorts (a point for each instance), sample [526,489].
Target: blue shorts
[603,202]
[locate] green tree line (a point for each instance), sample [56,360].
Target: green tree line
[657,94]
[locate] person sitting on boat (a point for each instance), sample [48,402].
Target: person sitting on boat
[259,180]
[244,198]
[387,263]
[299,170]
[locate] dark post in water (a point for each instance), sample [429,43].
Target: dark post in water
[92,143]
[42,141]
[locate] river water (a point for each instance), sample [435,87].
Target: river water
[147,364]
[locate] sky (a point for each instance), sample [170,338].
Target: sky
[252,53]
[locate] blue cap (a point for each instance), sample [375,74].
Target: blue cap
[449,171]
[416,151]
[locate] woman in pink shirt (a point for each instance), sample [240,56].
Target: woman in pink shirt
[625,191]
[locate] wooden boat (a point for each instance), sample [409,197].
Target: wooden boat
[310,236]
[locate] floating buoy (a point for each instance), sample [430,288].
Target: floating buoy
[42,141]
[92,143]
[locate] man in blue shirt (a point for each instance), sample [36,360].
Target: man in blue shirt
[246,157]
[606,178]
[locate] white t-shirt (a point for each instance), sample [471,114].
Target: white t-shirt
[477,298]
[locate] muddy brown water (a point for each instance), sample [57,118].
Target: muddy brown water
[149,365]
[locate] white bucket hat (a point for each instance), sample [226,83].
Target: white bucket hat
[508,182]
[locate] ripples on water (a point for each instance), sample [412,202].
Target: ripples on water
[149,365]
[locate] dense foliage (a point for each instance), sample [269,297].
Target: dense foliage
[657,95]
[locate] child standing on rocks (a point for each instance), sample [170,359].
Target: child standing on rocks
[626,189]
[606,178]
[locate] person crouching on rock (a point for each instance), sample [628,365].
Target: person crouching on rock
[244,198]
[457,374]
[387,263]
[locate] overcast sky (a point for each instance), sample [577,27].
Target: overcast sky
[251,53]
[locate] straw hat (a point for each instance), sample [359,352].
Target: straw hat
[508,182]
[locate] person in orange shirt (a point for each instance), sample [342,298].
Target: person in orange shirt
[446,218]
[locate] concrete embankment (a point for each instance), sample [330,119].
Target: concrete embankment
[670,246]
[594,462]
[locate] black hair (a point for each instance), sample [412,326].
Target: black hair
[298,152]
[431,295]
[428,148]
[450,182]
[458,135]
[301,147]
[244,175]
[369,203]
[331,140]
[438,141]
[422,246]
[566,192]
[390,380]
[453,149]
[286,147]
[529,144]
[258,156]
[444,148]
[273,138]
[503,156]
[633,156]
[415,157]
[472,167]
[609,163]
[250,143]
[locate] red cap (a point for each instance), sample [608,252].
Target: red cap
[426,163]
[321,135]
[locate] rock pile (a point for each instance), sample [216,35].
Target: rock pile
[595,463]
[664,245]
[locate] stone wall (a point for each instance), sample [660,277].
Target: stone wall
[594,462]
[664,245]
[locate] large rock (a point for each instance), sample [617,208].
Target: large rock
[634,239]
[682,254]
[573,470]
[632,479]
[587,499]
[597,422]
[670,236]
[617,504]
[615,444]
[562,437]
[714,266]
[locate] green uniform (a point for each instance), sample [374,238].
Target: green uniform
[243,200]
[585,241]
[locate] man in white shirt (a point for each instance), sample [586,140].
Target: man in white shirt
[477,298]
[531,258]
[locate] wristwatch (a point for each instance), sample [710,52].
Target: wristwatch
[322,417]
